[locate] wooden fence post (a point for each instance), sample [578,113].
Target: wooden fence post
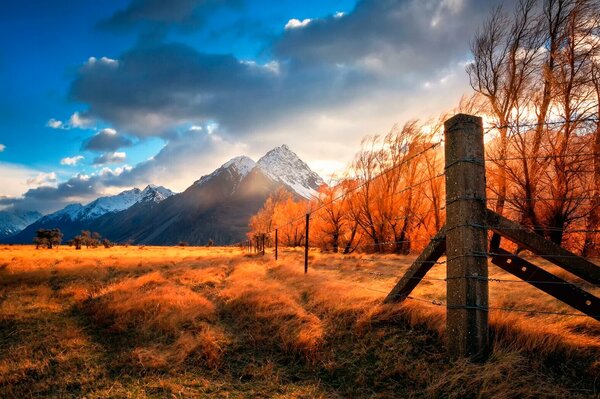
[466,239]
[276,244]
[263,244]
[306,244]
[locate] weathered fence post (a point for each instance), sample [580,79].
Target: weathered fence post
[306,244]
[263,244]
[466,239]
[276,243]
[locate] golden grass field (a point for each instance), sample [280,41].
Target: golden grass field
[216,322]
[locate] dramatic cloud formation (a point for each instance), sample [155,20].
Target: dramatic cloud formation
[71,161]
[321,85]
[106,140]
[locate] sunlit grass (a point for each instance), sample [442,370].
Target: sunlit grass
[162,321]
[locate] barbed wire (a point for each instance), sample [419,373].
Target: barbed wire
[478,278]
[364,183]
[545,123]
[440,303]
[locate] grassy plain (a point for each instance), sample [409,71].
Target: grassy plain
[215,322]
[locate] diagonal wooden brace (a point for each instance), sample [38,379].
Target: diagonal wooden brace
[548,250]
[548,282]
[420,267]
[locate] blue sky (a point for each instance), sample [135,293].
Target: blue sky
[100,96]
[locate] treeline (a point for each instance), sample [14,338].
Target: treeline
[536,80]
[49,238]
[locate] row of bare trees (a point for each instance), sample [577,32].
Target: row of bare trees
[536,75]
[536,79]
[389,201]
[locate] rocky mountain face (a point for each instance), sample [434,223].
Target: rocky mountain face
[14,221]
[216,207]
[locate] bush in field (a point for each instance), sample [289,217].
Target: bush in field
[47,238]
[183,244]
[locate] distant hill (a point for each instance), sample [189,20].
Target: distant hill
[216,207]
[14,221]
[76,217]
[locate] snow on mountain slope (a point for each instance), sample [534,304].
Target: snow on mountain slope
[109,204]
[237,167]
[283,165]
[12,221]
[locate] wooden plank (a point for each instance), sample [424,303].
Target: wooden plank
[548,282]
[546,249]
[424,262]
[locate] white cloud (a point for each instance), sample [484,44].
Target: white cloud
[109,131]
[79,121]
[103,61]
[106,171]
[212,127]
[71,161]
[296,23]
[339,14]
[110,157]
[42,179]
[2,147]
[13,179]
[55,124]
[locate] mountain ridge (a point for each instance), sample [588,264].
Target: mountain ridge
[215,207]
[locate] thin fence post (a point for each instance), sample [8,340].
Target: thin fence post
[276,244]
[306,244]
[466,239]
[263,244]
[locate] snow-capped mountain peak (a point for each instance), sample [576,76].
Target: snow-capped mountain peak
[237,167]
[153,193]
[242,164]
[283,165]
[112,203]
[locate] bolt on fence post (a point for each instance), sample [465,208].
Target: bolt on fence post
[306,244]
[466,239]
[276,244]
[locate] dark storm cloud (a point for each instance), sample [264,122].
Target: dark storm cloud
[106,140]
[182,14]
[154,89]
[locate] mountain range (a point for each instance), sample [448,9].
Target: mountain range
[216,207]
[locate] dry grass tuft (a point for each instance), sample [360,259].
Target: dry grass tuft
[172,322]
[268,310]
